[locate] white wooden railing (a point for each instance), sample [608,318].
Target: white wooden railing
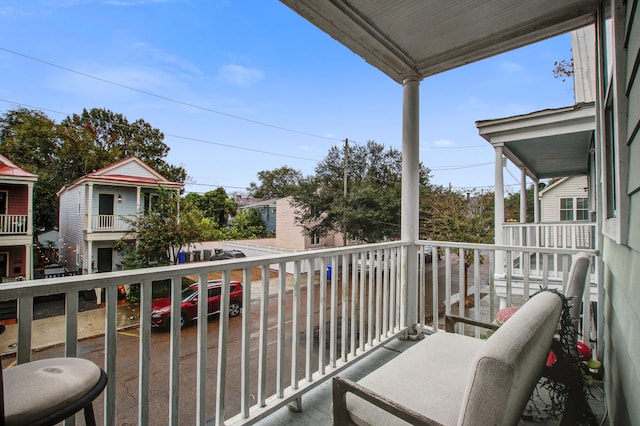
[569,235]
[13,223]
[292,339]
[111,223]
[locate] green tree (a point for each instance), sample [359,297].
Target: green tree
[447,215]
[370,212]
[277,183]
[247,225]
[28,138]
[512,206]
[157,236]
[215,205]
[61,153]
[99,137]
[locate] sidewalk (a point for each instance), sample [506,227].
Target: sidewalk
[49,332]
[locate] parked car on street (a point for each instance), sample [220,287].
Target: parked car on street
[161,308]
[227,254]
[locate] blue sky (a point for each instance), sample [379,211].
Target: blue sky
[208,73]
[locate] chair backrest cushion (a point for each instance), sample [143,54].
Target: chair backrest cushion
[576,283]
[508,366]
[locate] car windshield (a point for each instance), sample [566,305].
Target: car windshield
[188,292]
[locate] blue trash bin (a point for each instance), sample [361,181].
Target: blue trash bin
[329,271]
[181,257]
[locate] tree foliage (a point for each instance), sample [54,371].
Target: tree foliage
[215,205]
[277,183]
[563,69]
[61,153]
[370,212]
[157,236]
[512,206]
[28,138]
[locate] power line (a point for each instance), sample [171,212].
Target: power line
[467,166]
[166,98]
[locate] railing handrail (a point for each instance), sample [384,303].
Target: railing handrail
[554,223]
[512,248]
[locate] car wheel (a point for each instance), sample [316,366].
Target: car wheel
[183,319]
[234,309]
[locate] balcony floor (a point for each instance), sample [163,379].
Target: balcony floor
[316,404]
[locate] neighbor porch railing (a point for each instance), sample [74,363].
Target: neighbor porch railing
[13,223]
[111,223]
[297,329]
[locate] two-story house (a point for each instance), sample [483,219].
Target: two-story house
[97,209]
[16,221]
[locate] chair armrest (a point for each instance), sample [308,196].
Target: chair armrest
[451,320]
[342,386]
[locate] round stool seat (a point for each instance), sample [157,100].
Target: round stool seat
[42,389]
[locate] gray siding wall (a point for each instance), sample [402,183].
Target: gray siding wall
[72,210]
[622,263]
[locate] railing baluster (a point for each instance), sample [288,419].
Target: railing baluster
[223,338]
[174,359]
[333,320]
[144,361]
[447,277]
[434,285]
[201,368]
[322,317]
[378,297]
[262,351]
[476,284]
[110,352]
[25,315]
[422,287]
[295,318]
[462,296]
[282,288]
[246,344]
[71,324]
[354,302]
[363,274]
[525,275]
[385,293]
[310,322]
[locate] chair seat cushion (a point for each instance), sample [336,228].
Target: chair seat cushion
[430,378]
[38,389]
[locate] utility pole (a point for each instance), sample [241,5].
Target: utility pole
[344,179]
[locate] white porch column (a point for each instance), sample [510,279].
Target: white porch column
[410,191]
[499,210]
[536,201]
[89,208]
[523,195]
[29,247]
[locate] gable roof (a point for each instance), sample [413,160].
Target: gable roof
[127,172]
[9,170]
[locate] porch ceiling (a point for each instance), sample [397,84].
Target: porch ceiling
[549,143]
[408,37]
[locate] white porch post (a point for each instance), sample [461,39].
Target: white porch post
[89,208]
[499,211]
[523,195]
[29,247]
[138,192]
[410,191]
[536,201]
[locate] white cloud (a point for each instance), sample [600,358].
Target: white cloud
[512,67]
[303,148]
[239,75]
[442,143]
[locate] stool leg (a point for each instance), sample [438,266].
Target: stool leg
[89,417]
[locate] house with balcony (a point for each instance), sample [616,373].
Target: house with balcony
[97,209]
[16,221]
[298,331]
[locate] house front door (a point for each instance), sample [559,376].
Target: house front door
[4,262]
[105,205]
[105,259]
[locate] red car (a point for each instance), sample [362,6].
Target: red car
[161,308]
